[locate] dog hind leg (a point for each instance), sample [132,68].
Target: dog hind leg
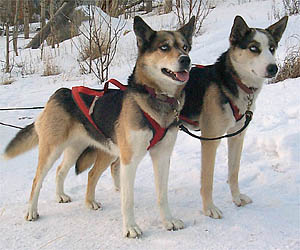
[71,154]
[235,145]
[47,156]
[115,173]
[103,160]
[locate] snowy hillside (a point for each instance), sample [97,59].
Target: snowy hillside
[270,166]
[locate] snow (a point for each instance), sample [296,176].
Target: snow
[269,167]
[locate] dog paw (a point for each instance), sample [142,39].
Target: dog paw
[241,200]
[63,198]
[31,215]
[93,205]
[213,212]
[173,224]
[132,231]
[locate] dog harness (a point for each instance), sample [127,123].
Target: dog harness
[158,131]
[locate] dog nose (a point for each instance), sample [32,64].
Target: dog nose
[272,69]
[184,61]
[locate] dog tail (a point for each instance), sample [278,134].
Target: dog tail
[85,160]
[25,139]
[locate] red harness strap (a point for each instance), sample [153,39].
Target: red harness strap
[199,66]
[159,132]
[235,111]
[189,121]
[81,105]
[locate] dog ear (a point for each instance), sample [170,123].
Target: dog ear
[188,30]
[142,31]
[278,28]
[238,30]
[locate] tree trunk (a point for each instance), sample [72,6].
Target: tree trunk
[114,10]
[148,6]
[60,18]
[168,6]
[7,47]
[43,13]
[52,12]
[26,18]
[16,27]
[8,15]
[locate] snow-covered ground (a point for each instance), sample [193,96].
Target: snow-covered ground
[269,167]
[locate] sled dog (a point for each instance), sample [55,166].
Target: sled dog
[217,97]
[155,90]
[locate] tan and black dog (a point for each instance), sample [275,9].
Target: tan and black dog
[217,97]
[155,89]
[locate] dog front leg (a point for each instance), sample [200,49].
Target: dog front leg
[235,146]
[160,156]
[209,149]
[128,171]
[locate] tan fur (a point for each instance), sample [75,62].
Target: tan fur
[83,163]
[21,146]
[102,162]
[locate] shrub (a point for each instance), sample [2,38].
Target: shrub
[291,7]
[49,66]
[290,68]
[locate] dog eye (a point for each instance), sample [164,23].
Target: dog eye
[272,49]
[164,47]
[254,49]
[185,48]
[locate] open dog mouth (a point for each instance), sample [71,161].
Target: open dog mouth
[182,76]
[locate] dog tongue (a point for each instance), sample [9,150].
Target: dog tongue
[182,76]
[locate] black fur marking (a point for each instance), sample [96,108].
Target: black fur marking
[200,79]
[147,45]
[144,34]
[247,39]
[83,154]
[107,111]
[239,31]
[188,30]
[276,30]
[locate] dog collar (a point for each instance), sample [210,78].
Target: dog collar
[161,97]
[245,88]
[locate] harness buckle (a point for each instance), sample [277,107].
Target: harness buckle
[250,98]
[176,112]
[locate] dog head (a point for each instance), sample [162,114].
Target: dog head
[253,49]
[163,62]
